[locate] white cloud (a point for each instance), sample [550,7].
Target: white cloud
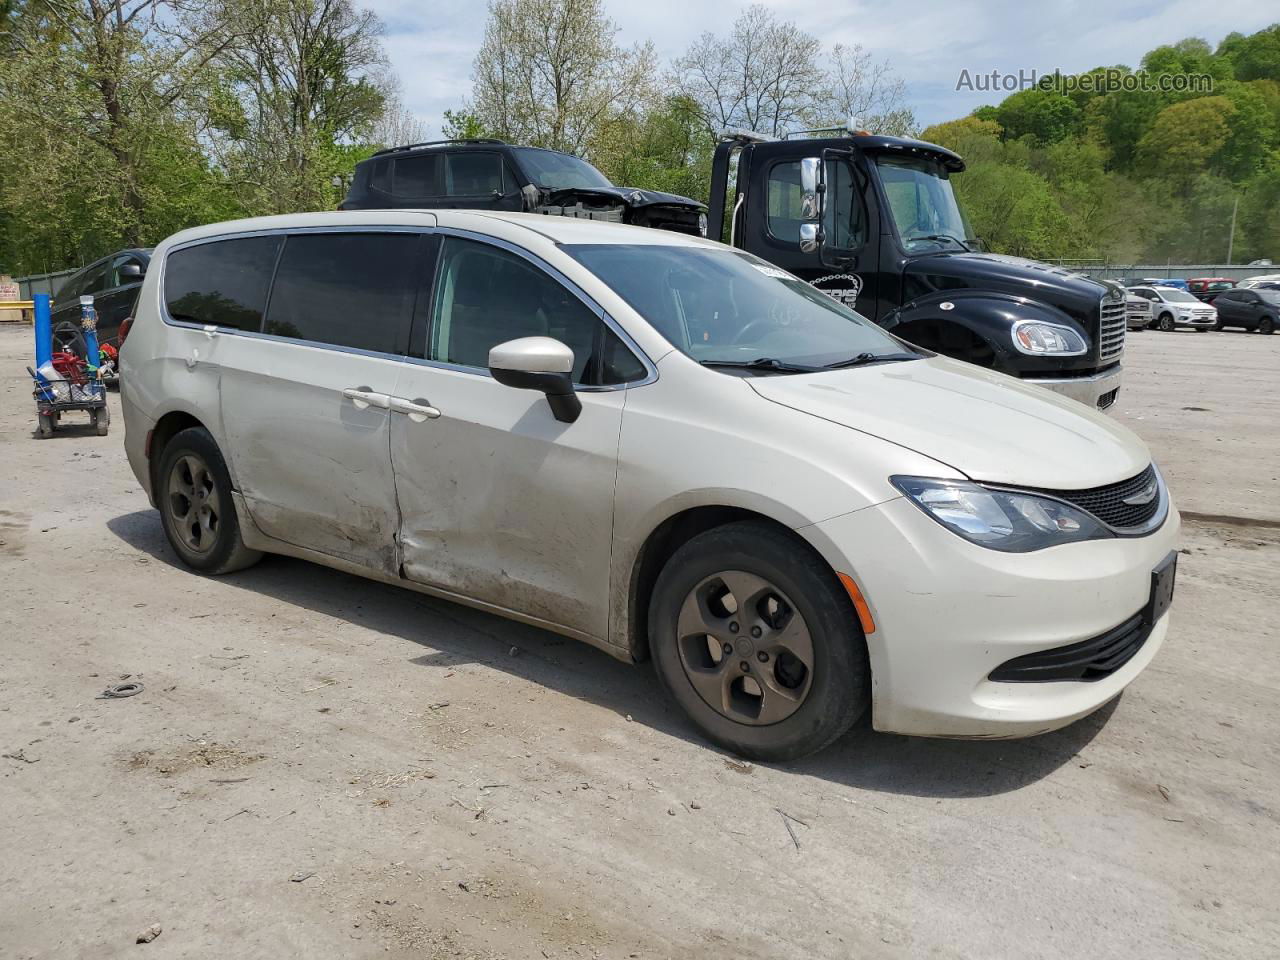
[928,41]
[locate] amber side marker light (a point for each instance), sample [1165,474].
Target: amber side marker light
[859,603]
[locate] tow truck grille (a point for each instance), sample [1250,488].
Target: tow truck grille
[1111,329]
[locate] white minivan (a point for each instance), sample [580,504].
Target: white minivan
[658,445]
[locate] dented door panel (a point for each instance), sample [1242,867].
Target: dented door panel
[502,503]
[312,464]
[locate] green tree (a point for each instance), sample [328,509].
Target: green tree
[1255,57]
[1044,115]
[1184,138]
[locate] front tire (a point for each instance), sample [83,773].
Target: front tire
[196,509]
[755,639]
[1267,326]
[1166,322]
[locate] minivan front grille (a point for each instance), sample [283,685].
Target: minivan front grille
[1111,329]
[1108,504]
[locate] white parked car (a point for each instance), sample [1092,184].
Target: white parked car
[658,445]
[1137,311]
[1250,282]
[1173,309]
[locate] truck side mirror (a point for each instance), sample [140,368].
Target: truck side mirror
[812,203]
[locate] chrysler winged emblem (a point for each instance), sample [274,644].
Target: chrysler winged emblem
[1143,496]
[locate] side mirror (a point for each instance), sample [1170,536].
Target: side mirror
[812,203]
[811,189]
[538,363]
[132,271]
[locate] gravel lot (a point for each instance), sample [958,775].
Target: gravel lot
[324,767]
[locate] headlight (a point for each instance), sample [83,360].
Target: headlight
[1000,519]
[1047,339]
[702,224]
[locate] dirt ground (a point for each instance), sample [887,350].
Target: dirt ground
[324,767]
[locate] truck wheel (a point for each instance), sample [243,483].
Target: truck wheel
[196,508]
[1267,325]
[1166,322]
[755,639]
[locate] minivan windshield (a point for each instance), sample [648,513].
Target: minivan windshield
[727,308]
[923,204]
[559,171]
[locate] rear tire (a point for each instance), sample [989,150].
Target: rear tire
[196,507]
[739,670]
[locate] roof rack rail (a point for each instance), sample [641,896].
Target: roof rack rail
[436,143]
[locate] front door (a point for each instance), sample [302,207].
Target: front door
[306,404]
[846,269]
[500,502]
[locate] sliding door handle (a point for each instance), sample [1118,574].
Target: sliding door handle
[364,397]
[416,410]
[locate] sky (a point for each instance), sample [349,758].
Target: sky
[927,42]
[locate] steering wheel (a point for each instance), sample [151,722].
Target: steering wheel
[68,337]
[742,336]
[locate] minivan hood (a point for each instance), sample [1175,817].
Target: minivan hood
[988,426]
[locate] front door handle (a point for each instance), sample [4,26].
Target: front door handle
[364,397]
[417,410]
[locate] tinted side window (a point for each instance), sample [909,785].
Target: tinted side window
[486,296]
[418,176]
[346,289]
[223,283]
[380,175]
[842,220]
[472,174]
[93,281]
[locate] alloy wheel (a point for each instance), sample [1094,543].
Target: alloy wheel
[192,503]
[745,648]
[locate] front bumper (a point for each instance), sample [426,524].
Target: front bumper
[1192,321]
[1098,391]
[948,613]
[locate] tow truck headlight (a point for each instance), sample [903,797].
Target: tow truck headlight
[702,224]
[1040,339]
[1003,520]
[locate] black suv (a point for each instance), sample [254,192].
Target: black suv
[1253,309]
[493,175]
[113,282]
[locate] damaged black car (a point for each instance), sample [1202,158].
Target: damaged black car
[486,174]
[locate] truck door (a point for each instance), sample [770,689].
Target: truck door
[845,267]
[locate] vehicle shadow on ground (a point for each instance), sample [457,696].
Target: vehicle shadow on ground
[457,635]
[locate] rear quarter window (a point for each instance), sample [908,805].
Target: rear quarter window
[223,283]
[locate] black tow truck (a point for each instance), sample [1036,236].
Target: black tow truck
[489,174]
[873,222]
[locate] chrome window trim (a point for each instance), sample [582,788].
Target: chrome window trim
[651,370]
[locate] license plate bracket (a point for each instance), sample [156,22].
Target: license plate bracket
[1163,578]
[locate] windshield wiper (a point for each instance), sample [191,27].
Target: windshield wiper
[942,236]
[762,363]
[863,359]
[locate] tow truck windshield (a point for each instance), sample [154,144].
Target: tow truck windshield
[559,171]
[923,204]
[731,310]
